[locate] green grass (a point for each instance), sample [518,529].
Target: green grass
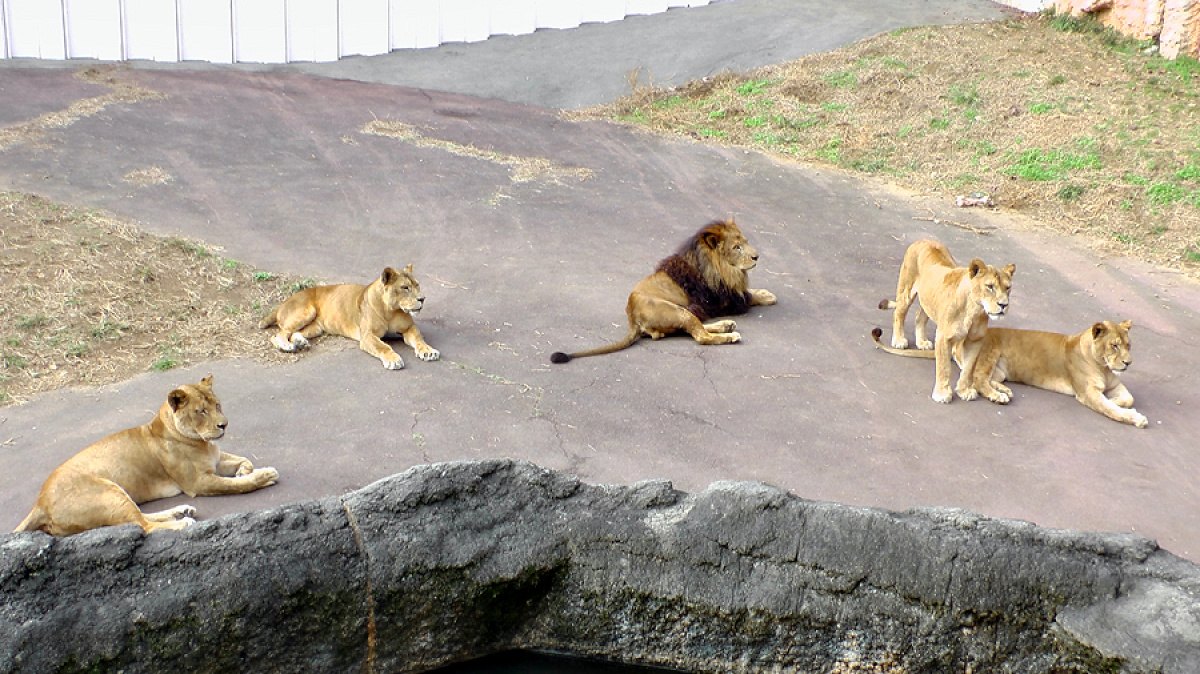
[189,247]
[299,285]
[32,322]
[1165,194]
[842,79]
[263,276]
[106,330]
[1071,192]
[15,361]
[965,97]
[753,87]
[1037,164]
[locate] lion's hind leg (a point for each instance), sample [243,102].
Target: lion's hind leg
[657,318]
[297,327]
[97,502]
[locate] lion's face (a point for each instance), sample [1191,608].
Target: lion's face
[197,411]
[737,251]
[990,287]
[401,291]
[1111,346]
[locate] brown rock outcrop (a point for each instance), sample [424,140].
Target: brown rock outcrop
[1174,23]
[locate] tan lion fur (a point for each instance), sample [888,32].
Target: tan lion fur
[364,313]
[706,278]
[958,299]
[102,485]
[1087,365]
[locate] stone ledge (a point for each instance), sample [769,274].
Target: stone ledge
[451,561]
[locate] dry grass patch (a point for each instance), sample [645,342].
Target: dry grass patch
[1051,116]
[520,169]
[120,91]
[88,299]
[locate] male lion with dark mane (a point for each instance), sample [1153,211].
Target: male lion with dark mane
[706,278]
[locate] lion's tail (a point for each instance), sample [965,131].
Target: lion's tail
[887,304]
[876,333]
[634,334]
[34,521]
[271,319]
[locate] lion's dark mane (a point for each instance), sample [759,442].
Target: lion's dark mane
[704,300]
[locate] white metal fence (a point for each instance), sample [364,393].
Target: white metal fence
[281,31]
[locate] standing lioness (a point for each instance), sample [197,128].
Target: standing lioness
[365,313]
[959,299]
[172,453]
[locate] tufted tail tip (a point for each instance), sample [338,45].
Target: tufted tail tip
[558,357]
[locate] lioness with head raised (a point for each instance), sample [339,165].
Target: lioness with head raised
[958,299]
[1087,365]
[706,278]
[172,453]
[364,313]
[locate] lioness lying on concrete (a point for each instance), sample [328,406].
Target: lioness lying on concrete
[172,453]
[1087,365]
[959,299]
[365,313]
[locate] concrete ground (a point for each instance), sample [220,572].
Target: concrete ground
[271,164]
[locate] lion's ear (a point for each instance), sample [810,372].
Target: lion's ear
[408,270]
[712,239]
[177,399]
[1010,268]
[388,275]
[1098,329]
[207,381]
[1126,325]
[975,267]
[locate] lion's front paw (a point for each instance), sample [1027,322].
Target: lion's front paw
[183,512]
[428,353]
[967,393]
[763,297]
[721,326]
[283,344]
[1138,419]
[943,395]
[1000,397]
[185,522]
[265,477]
[392,362]
[1125,401]
[734,337]
[924,344]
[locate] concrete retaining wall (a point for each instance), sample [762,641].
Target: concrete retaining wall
[450,561]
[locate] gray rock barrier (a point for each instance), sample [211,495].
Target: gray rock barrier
[451,561]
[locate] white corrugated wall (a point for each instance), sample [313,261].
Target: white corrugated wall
[281,31]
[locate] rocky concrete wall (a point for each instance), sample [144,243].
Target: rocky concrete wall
[1174,23]
[450,561]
